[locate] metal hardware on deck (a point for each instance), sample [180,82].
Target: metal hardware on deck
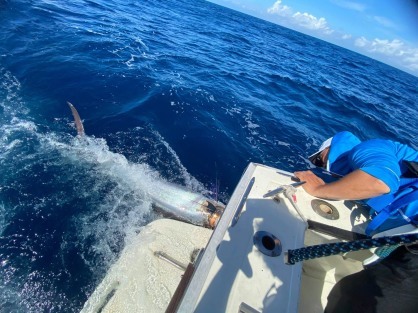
[245,308]
[243,200]
[267,243]
[290,193]
[167,258]
[108,297]
[196,255]
[282,188]
[325,209]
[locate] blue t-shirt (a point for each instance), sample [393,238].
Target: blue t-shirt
[378,157]
[382,159]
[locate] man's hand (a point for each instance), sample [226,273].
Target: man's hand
[312,182]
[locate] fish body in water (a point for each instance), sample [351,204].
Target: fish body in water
[172,200]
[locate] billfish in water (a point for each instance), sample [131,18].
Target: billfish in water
[172,200]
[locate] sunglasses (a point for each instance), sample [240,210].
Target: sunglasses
[317,161]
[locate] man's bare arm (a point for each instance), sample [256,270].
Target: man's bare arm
[355,186]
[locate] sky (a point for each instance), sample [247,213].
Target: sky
[385,30]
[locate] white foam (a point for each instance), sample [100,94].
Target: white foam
[129,191]
[142,43]
[190,181]
[282,143]
[113,192]
[10,99]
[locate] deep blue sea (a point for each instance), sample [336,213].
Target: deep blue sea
[177,90]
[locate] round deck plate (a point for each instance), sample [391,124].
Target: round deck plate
[267,243]
[325,209]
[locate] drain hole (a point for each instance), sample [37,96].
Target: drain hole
[325,208]
[268,242]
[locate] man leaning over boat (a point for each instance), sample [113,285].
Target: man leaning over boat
[384,175]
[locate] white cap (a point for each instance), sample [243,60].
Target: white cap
[324,145]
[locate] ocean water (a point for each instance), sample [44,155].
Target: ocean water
[181,91]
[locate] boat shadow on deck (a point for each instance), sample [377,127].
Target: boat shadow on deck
[244,272]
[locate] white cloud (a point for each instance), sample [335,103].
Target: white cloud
[413,58]
[383,46]
[410,60]
[346,36]
[395,51]
[280,9]
[303,20]
[394,47]
[311,22]
[361,42]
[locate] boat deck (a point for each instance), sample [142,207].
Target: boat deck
[234,273]
[241,266]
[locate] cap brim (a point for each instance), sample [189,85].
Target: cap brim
[325,144]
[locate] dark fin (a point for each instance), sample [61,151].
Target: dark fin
[77,120]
